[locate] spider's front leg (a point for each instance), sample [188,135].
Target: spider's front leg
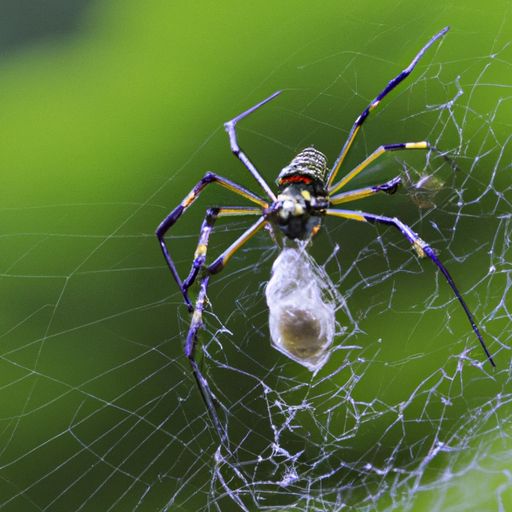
[230,127]
[373,104]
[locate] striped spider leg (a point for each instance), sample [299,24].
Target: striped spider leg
[423,249]
[198,266]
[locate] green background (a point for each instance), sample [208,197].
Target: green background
[106,125]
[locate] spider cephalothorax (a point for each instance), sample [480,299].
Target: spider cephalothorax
[301,189]
[307,191]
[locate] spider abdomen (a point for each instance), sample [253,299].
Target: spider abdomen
[309,167]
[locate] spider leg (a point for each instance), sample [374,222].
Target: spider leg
[171,219]
[190,352]
[212,214]
[364,114]
[197,321]
[381,150]
[238,152]
[223,259]
[389,187]
[422,249]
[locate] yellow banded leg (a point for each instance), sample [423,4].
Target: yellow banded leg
[172,218]
[423,249]
[222,260]
[212,214]
[376,154]
[197,317]
[211,177]
[389,187]
[208,397]
[375,102]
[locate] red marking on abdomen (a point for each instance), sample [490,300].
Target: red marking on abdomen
[297,178]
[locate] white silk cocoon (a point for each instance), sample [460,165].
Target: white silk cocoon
[302,318]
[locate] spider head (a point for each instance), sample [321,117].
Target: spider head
[292,212]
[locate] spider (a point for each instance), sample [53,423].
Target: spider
[307,191]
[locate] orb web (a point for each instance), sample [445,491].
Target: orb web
[379,427]
[405,413]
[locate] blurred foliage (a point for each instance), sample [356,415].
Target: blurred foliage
[105,129]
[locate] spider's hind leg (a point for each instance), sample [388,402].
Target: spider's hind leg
[197,312]
[423,249]
[190,351]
